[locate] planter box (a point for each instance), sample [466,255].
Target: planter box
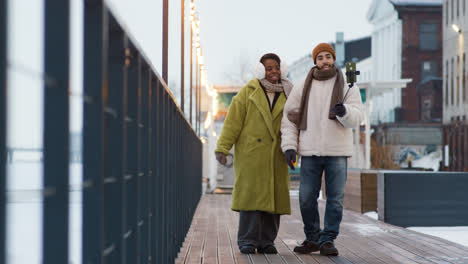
[410,198]
[360,190]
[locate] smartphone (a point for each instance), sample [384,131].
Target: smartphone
[351,72]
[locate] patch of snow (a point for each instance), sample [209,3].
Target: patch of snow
[365,229]
[372,215]
[429,161]
[456,234]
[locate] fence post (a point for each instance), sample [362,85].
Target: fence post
[56,131]
[131,176]
[94,128]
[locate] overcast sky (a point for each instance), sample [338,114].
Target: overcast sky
[230,30]
[250,28]
[247,28]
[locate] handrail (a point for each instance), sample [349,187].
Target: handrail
[146,58]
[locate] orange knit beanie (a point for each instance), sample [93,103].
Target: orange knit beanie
[323,47]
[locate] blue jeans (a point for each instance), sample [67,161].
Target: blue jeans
[312,168]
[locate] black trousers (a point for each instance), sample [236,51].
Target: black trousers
[257,228]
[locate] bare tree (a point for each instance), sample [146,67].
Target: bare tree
[242,70]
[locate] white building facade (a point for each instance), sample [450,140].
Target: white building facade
[384,97]
[455,47]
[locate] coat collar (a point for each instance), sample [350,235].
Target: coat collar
[259,100]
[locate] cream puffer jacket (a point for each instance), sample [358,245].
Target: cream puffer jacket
[323,137]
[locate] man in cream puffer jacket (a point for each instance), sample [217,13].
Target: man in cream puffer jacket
[317,124]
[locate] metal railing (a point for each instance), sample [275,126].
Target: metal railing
[141,158]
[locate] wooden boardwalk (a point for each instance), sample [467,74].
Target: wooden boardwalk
[213,239]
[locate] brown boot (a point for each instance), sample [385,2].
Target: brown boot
[328,249]
[307,247]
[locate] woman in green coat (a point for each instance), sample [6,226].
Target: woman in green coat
[252,126]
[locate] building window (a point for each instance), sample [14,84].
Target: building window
[427,105]
[458,8]
[457,98]
[446,12]
[464,6]
[451,7]
[446,82]
[451,82]
[464,78]
[428,69]
[428,36]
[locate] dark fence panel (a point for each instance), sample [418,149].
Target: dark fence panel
[3,95]
[142,167]
[423,198]
[142,151]
[56,132]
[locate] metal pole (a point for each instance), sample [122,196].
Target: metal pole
[165,39]
[182,54]
[367,131]
[94,128]
[199,102]
[115,114]
[196,94]
[3,96]
[191,66]
[56,131]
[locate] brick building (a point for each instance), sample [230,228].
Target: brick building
[406,49]
[421,50]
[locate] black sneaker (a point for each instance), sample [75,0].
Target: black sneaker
[328,249]
[248,249]
[270,249]
[307,247]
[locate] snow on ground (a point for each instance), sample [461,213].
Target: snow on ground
[429,161]
[457,234]
[372,215]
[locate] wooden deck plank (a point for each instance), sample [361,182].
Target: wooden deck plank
[422,246]
[274,259]
[210,247]
[212,239]
[290,231]
[363,250]
[258,259]
[225,252]
[287,255]
[232,224]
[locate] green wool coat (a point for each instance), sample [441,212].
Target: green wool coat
[261,172]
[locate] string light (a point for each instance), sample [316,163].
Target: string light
[195,23]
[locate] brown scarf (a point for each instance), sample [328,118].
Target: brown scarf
[284,85]
[337,94]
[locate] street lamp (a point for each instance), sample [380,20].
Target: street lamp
[456,28]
